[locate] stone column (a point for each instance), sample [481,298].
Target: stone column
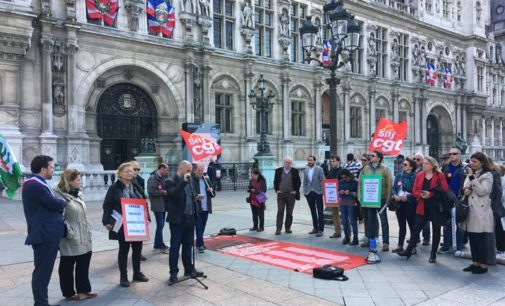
[424,117]
[317,101]
[347,112]
[249,114]
[492,132]
[47,90]
[501,133]
[72,115]
[483,131]
[464,133]
[371,100]
[206,87]
[286,105]
[190,64]
[395,94]
[457,106]
[417,120]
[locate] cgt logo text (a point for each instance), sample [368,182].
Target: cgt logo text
[200,146]
[386,142]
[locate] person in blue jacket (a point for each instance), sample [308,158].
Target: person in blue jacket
[44,217]
[348,187]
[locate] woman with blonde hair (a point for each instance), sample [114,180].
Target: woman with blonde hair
[428,186]
[75,248]
[123,188]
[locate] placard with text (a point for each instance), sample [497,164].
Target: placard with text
[135,220]
[371,190]
[330,193]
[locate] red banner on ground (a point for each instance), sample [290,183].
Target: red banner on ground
[280,254]
[201,147]
[389,137]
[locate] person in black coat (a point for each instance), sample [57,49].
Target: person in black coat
[203,188]
[44,218]
[287,184]
[123,188]
[182,212]
[257,185]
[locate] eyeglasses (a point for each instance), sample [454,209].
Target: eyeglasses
[452,153]
[136,169]
[416,159]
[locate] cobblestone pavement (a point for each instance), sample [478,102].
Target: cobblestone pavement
[236,281]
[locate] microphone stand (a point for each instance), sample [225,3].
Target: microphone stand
[194,275]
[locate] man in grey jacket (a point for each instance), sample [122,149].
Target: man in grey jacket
[313,177]
[158,199]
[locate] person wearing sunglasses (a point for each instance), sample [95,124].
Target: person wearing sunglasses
[455,175]
[376,167]
[402,194]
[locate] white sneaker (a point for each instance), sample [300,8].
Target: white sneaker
[459,253]
[500,255]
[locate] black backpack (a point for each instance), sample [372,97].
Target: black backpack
[330,272]
[496,193]
[227,231]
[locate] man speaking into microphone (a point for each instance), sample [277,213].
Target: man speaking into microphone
[181,215]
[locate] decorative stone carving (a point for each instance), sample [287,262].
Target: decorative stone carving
[134,8]
[58,97]
[71,13]
[372,53]
[45,8]
[188,6]
[247,28]
[197,90]
[75,155]
[58,57]
[206,23]
[148,145]
[284,24]
[204,7]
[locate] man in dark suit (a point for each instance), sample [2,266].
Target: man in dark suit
[44,217]
[205,192]
[287,186]
[181,215]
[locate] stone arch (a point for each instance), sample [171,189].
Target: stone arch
[358,99]
[301,92]
[226,81]
[438,114]
[85,87]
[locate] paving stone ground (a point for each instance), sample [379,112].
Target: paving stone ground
[237,281]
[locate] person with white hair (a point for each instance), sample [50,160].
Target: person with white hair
[287,184]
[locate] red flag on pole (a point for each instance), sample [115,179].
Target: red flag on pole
[389,137]
[201,147]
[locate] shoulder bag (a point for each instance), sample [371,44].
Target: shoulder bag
[329,272]
[462,209]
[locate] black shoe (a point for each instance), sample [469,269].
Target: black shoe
[140,277]
[433,259]
[346,240]
[124,282]
[278,232]
[406,253]
[479,270]
[253,229]
[426,242]
[414,251]
[143,258]
[195,273]
[470,268]
[173,279]
[288,231]
[443,250]
[354,242]
[398,250]
[201,249]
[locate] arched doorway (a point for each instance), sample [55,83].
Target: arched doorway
[433,135]
[125,115]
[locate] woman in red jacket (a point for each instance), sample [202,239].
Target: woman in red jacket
[427,187]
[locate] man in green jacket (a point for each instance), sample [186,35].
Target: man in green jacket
[376,167]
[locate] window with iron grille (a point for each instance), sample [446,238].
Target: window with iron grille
[224,112]
[223,24]
[264,27]
[356,128]
[297,118]
[297,13]
[382,51]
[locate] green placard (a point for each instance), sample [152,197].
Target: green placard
[371,190]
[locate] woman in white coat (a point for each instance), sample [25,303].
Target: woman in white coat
[480,220]
[75,248]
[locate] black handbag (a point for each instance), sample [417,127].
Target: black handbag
[393,205]
[462,209]
[227,231]
[330,272]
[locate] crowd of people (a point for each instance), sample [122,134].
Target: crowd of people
[418,191]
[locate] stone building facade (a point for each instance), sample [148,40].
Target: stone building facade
[89,93]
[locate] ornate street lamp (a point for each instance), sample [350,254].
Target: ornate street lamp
[344,37]
[262,104]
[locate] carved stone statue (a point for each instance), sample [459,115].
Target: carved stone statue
[58,58]
[58,97]
[188,6]
[422,59]
[372,45]
[197,101]
[416,54]
[461,144]
[284,24]
[395,51]
[134,9]
[247,17]
[204,7]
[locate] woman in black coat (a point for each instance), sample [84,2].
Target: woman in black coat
[123,188]
[257,185]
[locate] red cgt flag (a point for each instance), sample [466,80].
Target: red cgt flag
[389,137]
[201,147]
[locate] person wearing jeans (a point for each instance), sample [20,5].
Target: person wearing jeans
[376,167]
[313,190]
[205,193]
[348,187]
[158,199]
[257,185]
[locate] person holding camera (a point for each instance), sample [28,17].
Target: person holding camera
[182,212]
[257,185]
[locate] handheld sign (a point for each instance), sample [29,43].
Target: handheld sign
[135,223]
[371,190]
[330,193]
